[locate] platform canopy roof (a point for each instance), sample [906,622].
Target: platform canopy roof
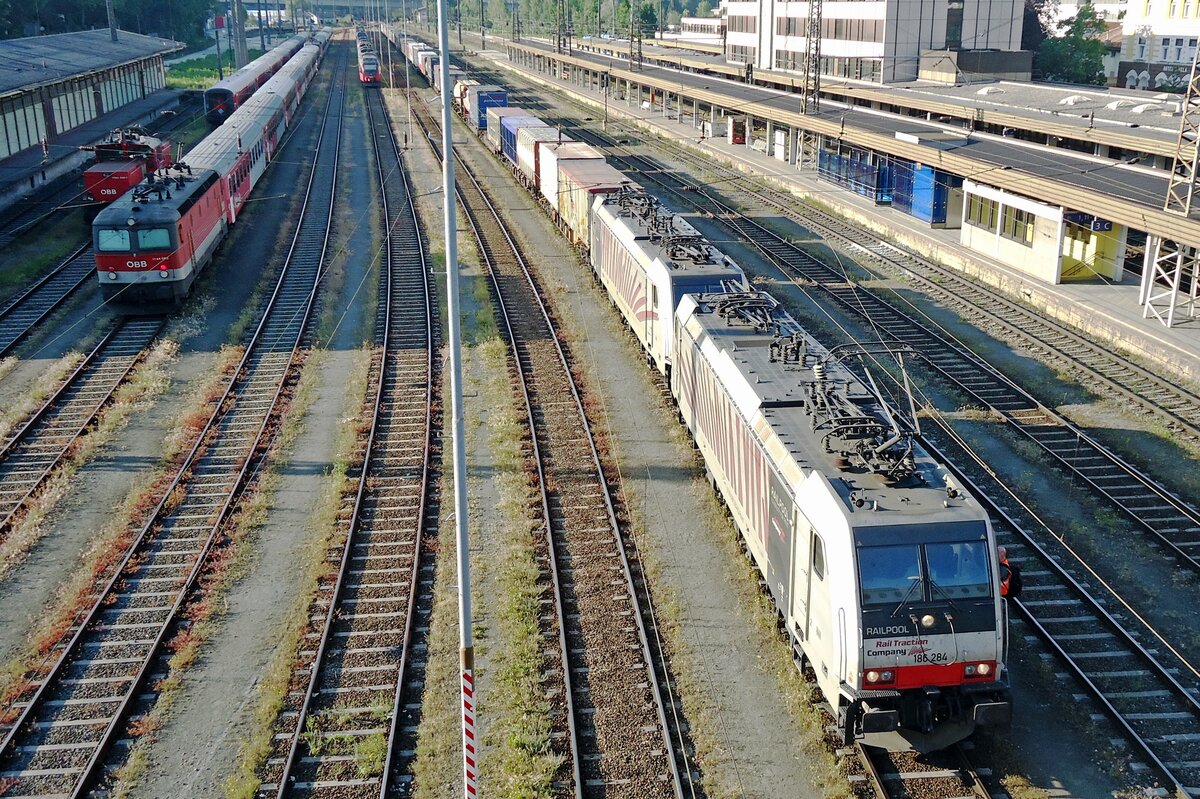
[40,60]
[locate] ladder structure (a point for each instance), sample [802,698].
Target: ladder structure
[1172,268]
[810,96]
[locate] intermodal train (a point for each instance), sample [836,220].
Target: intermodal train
[226,96]
[123,161]
[369,73]
[152,243]
[881,568]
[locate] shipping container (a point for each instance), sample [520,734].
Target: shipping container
[480,100]
[579,182]
[548,157]
[494,129]
[530,142]
[509,126]
[460,92]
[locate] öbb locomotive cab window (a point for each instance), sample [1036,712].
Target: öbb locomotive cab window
[112,240]
[155,238]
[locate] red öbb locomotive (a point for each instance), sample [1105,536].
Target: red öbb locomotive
[122,162]
[152,243]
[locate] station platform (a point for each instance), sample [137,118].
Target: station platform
[25,172]
[1107,311]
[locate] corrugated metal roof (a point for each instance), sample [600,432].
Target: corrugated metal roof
[38,60]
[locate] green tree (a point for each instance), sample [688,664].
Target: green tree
[703,9]
[1076,54]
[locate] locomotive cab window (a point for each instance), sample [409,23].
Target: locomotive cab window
[818,557]
[960,569]
[890,573]
[112,240]
[155,238]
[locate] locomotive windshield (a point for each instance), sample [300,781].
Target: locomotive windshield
[154,238]
[112,240]
[924,572]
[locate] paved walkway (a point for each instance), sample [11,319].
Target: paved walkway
[1108,311]
[252,40]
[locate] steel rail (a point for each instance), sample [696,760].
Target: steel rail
[522,380]
[266,337]
[1023,412]
[398,258]
[53,420]
[906,783]
[31,307]
[1008,527]
[542,314]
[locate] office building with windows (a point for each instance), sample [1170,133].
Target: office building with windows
[876,40]
[1159,44]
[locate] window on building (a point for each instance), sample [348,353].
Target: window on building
[954,24]
[743,23]
[1018,225]
[1141,49]
[981,212]
[1179,49]
[1166,48]
[742,54]
[1174,9]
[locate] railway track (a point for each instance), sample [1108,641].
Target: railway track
[66,725]
[1164,518]
[1151,696]
[615,722]
[363,664]
[904,775]
[39,446]
[21,314]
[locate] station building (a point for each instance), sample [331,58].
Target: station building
[873,40]
[61,91]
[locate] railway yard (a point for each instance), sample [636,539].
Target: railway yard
[227,546]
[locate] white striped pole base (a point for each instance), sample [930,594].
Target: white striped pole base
[470,785]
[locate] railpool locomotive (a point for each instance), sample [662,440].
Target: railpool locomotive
[151,244]
[881,568]
[226,96]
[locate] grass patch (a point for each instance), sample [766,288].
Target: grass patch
[200,73]
[42,247]
[517,755]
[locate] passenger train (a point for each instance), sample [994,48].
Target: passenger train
[881,568]
[369,72]
[226,96]
[151,244]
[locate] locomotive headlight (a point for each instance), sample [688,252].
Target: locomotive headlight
[112,275]
[887,676]
[872,676]
[928,621]
[984,669]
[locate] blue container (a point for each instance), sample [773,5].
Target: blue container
[486,100]
[508,134]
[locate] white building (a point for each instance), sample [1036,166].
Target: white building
[1159,44]
[880,40]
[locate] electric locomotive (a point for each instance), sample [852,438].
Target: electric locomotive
[369,73]
[122,162]
[882,569]
[151,244]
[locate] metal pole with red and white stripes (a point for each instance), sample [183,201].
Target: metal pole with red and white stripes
[458,441]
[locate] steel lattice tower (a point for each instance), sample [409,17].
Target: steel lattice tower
[810,97]
[1172,268]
